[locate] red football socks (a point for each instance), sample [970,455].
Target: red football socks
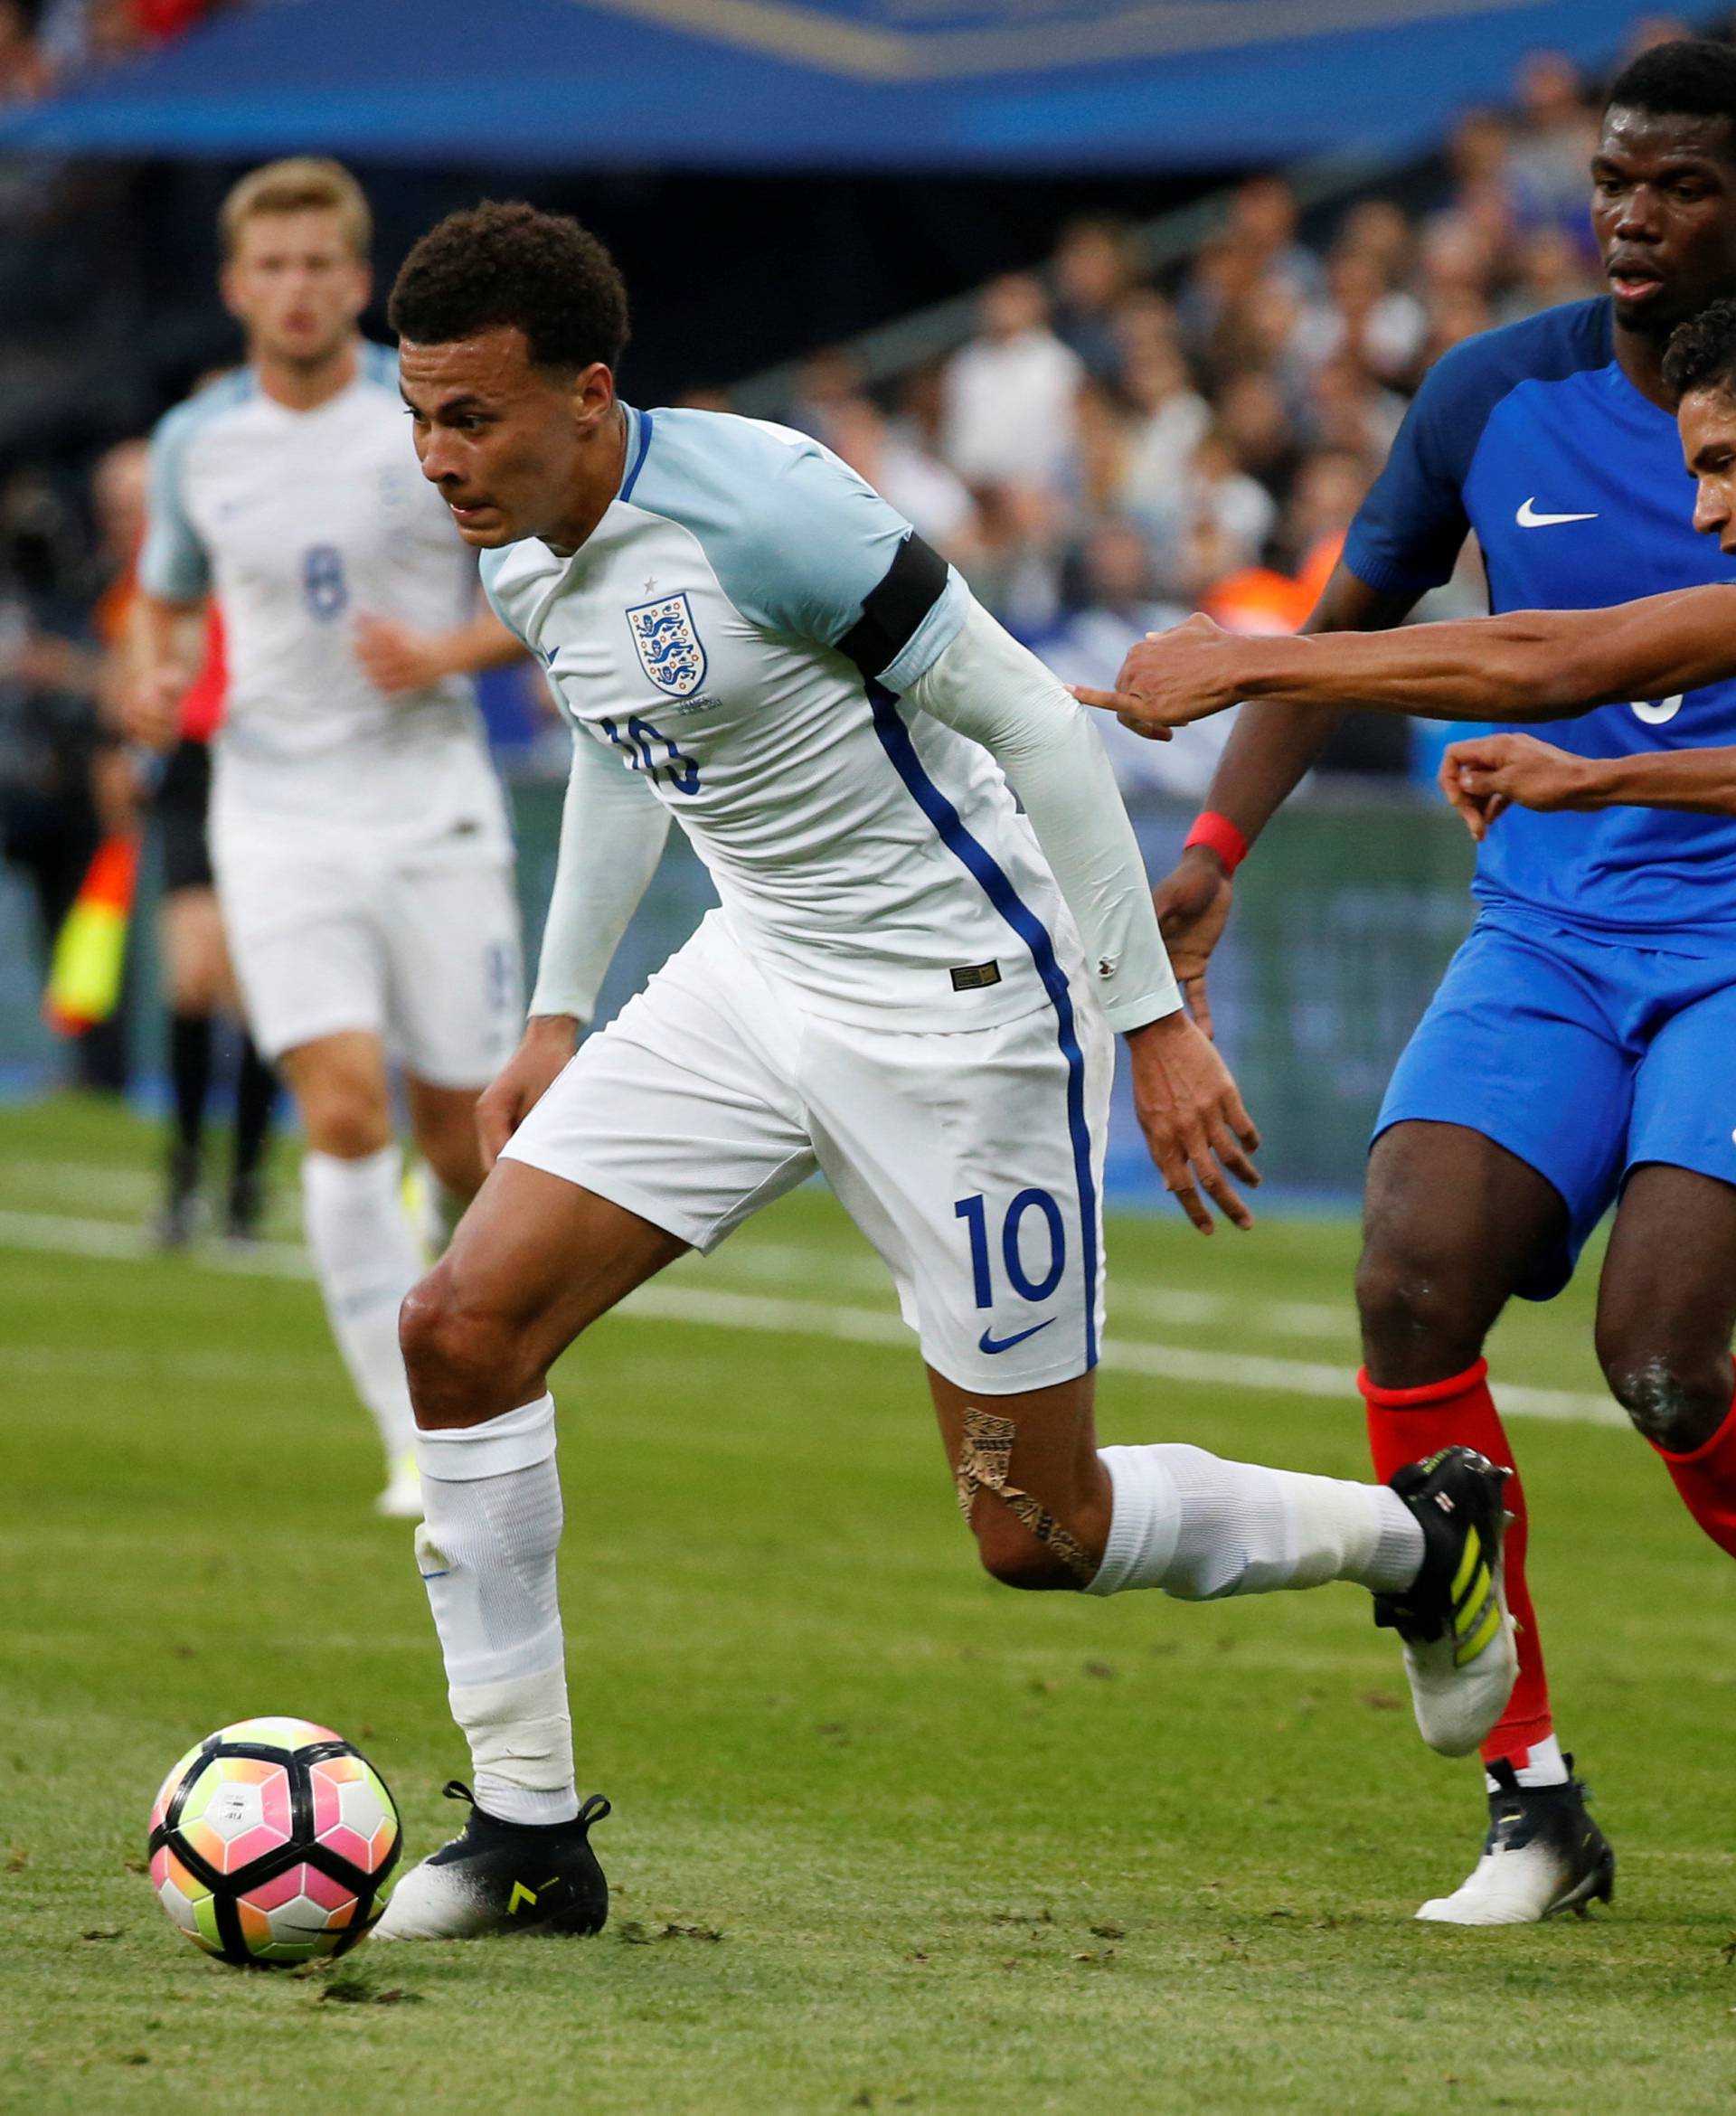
[1706,1479]
[1406,1424]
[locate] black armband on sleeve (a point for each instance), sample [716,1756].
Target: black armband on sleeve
[892,613]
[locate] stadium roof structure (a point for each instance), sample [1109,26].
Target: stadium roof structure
[990,85]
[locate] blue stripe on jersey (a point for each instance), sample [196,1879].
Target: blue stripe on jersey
[895,740]
[632,477]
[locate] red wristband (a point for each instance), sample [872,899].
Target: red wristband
[1218,834]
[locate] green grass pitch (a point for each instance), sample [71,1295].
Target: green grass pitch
[886,1837]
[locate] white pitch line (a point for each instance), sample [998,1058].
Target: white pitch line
[713,1307]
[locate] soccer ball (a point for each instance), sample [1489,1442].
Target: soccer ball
[272,1841]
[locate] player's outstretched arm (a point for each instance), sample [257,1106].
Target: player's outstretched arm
[1524,666]
[1487,773]
[612,833]
[1270,751]
[990,688]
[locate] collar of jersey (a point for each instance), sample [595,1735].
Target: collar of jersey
[639,425]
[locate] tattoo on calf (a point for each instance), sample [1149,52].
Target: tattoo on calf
[984,1462]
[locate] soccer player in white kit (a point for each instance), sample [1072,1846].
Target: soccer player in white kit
[908,987]
[358,834]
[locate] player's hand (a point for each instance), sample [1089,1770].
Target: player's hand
[1192,904]
[547,1042]
[1192,1118]
[396,660]
[1487,773]
[1171,679]
[150,709]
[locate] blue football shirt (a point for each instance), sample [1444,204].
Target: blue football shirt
[1573,483]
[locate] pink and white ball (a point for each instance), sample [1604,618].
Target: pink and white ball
[272,1842]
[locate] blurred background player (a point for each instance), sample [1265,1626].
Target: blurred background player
[1518,1113]
[199,986]
[358,835]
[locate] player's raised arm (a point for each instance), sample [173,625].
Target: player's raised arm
[987,686]
[612,834]
[1524,666]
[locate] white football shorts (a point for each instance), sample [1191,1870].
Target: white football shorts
[337,929]
[972,1160]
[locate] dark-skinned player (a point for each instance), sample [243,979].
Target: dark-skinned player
[1554,1074]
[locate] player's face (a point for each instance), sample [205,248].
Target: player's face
[1707,422]
[1664,208]
[510,445]
[295,286]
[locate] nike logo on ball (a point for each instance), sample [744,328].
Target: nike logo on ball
[992,1345]
[1529,518]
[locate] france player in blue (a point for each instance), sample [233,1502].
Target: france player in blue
[1577,1054]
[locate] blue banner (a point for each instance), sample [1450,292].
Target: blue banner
[1008,85]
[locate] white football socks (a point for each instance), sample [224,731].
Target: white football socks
[366,1259]
[487,1553]
[1544,1765]
[1200,1528]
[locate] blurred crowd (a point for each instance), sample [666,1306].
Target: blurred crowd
[44,43]
[1108,450]
[1108,453]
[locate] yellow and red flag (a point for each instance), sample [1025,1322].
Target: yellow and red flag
[84,977]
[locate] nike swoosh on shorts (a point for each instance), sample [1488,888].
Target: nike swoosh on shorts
[992,1345]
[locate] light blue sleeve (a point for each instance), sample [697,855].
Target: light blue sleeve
[173,565]
[798,541]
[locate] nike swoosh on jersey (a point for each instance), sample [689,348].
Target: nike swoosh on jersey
[992,1345]
[1529,518]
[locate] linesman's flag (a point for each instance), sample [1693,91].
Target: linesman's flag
[84,977]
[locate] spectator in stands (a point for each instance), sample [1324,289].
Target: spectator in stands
[935,501]
[24,70]
[1170,418]
[1010,394]
[1255,421]
[1094,271]
[1552,270]
[1012,556]
[1553,145]
[1111,601]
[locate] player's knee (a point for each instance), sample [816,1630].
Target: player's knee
[1676,1400]
[460,1354]
[346,1121]
[1013,1554]
[1413,1308]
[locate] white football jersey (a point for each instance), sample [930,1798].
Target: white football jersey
[298,522]
[738,630]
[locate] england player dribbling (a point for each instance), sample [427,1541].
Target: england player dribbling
[358,834]
[908,987]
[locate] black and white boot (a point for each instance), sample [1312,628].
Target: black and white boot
[503,1877]
[1543,1854]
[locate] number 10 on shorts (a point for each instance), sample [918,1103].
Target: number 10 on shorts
[974,1213]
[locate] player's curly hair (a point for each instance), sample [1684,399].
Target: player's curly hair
[509,265]
[1686,77]
[1701,352]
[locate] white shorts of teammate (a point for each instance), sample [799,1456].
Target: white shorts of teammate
[972,1160]
[333,931]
